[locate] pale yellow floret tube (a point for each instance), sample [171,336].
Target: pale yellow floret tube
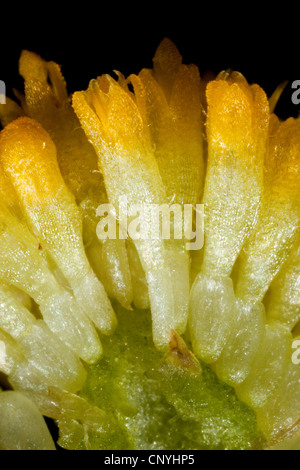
[263,257]
[10,354]
[212,304]
[247,330]
[280,415]
[269,367]
[54,360]
[24,265]
[52,400]
[279,220]
[113,124]
[169,100]
[283,301]
[138,278]
[22,426]
[271,250]
[28,156]
[236,127]
[47,101]
[236,130]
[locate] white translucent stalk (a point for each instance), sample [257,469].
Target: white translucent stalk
[160,289]
[100,310]
[268,369]
[55,361]
[284,293]
[281,411]
[66,248]
[179,262]
[72,326]
[139,282]
[266,251]
[51,400]
[212,305]
[23,265]
[22,426]
[22,297]
[247,330]
[10,354]
[109,259]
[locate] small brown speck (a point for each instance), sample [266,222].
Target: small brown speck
[180,355]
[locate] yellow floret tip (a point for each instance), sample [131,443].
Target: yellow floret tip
[28,152]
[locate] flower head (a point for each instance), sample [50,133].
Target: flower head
[148,138]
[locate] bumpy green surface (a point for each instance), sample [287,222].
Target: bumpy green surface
[153,405]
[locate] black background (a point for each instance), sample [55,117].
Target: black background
[90,38]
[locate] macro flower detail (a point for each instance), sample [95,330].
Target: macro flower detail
[117,123]
[138,342]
